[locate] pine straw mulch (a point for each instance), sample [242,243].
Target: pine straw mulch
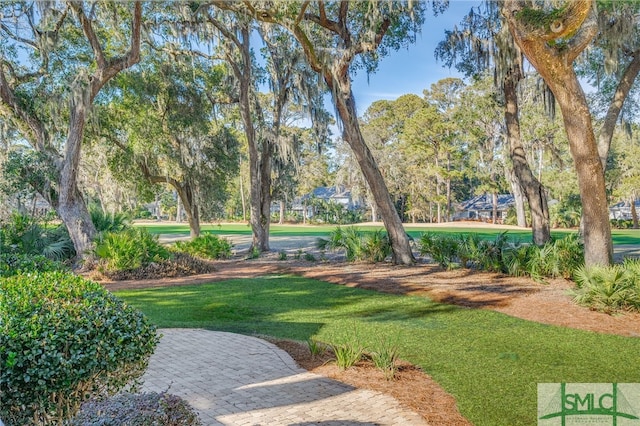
[548,303]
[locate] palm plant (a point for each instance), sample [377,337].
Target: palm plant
[108,222]
[606,289]
[358,246]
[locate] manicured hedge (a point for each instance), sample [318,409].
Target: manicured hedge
[63,340]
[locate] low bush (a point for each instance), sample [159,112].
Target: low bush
[179,265]
[207,246]
[64,339]
[358,246]
[452,251]
[129,249]
[158,409]
[609,289]
[14,264]
[558,258]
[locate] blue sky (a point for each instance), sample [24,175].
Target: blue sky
[415,69]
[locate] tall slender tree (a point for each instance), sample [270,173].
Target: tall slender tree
[482,43]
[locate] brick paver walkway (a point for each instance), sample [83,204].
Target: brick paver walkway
[232,379]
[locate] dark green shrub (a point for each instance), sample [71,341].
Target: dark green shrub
[129,249]
[159,409]
[358,246]
[207,246]
[14,264]
[64,339]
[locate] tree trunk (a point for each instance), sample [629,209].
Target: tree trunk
[343,98]
[576,25]
[634,213]
[374,211]
[448,212]
[282,212]
[265,191]
[259,222]
[185,193]
[71,206]
[179,209]
[244,204]
[438,192]
[622,91]
[518,198]
[595,208]
[494,212]
[532,188]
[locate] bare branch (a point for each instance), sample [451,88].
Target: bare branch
[23,40]
[302,12]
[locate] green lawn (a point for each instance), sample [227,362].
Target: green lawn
[489,361]
[620,236]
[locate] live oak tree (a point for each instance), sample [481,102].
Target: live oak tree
[55,57]
[337,37]
[161,118]
[552,39]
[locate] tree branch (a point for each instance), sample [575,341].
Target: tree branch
[87,29]
[35,126]
[624,86]
[23,40]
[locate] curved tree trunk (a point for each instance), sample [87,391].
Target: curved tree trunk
[343,98]
[622,91]
[185,192]
[532,188]
[70,205]
[518,197]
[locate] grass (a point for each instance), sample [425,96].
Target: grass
[620,236]
[490,362]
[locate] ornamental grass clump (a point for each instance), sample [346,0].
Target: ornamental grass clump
[347,355]
[63,340]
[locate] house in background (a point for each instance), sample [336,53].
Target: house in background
[622,210]
[480,208]
[304,205]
